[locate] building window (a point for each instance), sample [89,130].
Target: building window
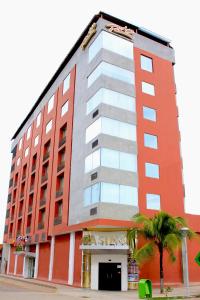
[38,120]
[148,88]
[111,127]
[112,43]
[60,185]
[66,84]
[92,161]
[50,104]
[111,159]
[112,71]
[34,161]
[111,193]
[36,141]
[146,63]
[20,144]
[149,113]
[58,210]
[111,98]
[28,133]
[46,150]
[150,141]
[41,218]
[64,108]
[26,152]
[151,170]
[18,161]
[153,201]
[48,126]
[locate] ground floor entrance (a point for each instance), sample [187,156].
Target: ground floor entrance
[31,267]
[110,276]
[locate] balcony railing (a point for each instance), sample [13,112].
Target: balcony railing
[59,193]
[32,188]
[30,208]
[28,229]
[62,141]
[40,225]
[46,156]
[58,220]
[42,202]
[44,178]
[61,166]
[33,167]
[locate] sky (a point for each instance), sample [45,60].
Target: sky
[36,35]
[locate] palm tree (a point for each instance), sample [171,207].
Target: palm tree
[162,232]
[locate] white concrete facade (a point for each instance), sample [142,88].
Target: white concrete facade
[71,258]
[108,258]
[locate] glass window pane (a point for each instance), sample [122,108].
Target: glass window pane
[66,83]
[96,159]
[151,170]
[148,88]
[112,43]
[50,103]
[146,63]
[48,126]
[38,120]
[149,113]
[95,46]
[127,131]
[150,141]
[110,158]
[111,71]
[153,201]
[64,108]
[128,195]
[87,196]
[128,162]
[94,101]
[93,130]
[88,163]
[109,192]
[110,126]
[95,193]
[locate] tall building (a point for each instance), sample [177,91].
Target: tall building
[100,144]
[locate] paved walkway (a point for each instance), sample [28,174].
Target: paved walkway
[19,288]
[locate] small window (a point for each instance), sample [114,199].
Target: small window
[66,84]
[28,133]
[153,201]
[48,126]
[20,144]
[26,152]
[18,161]
[36,141]
[38,120]
[151,170]
[150,141]
[148,88]
[50,104]
[64,108]
[146,63]
[149,113]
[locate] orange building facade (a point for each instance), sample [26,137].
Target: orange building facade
[101,144]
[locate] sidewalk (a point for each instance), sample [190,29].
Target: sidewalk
[81,293]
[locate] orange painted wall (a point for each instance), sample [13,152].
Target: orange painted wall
[12,260]
[169,186]
[78,259]
[61,258]
[20,264]
[44,255]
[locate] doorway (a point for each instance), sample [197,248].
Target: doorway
[31,267]
[110,276]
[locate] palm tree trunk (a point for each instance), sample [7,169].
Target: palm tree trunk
[161,270]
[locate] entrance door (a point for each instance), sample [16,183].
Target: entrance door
[110,276]
[31,267]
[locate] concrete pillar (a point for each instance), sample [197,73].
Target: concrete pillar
[71,258]
[36,260]
[9,253]
[51,260]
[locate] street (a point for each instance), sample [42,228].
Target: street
[11,289]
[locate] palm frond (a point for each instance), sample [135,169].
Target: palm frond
[144,253]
